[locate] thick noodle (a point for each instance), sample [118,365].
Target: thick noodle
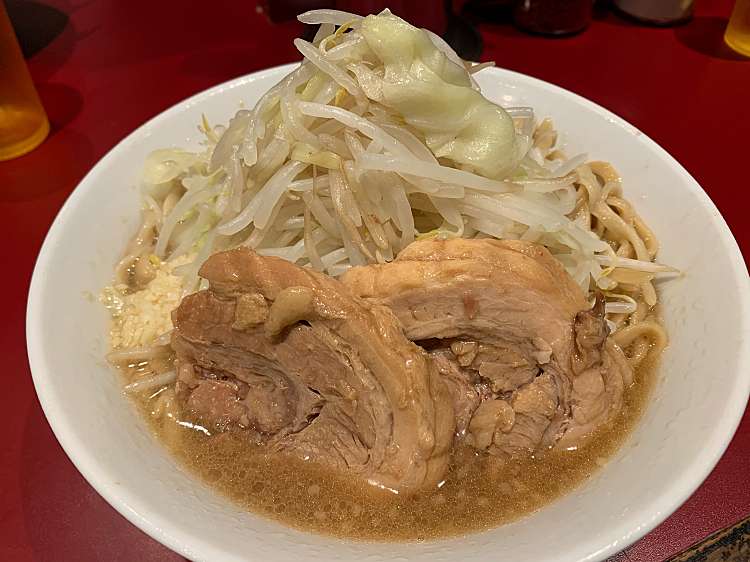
[637,328]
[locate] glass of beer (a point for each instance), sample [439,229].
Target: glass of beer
[737,35]
[23,122]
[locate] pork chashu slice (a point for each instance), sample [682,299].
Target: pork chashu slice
[293,357]
[510,318]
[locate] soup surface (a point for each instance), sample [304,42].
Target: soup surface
[478,492]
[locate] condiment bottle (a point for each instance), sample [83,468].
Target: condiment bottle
[657,12]
[553,17]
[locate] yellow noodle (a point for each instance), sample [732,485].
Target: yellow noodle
[614,220]
[618,319]
[598,227]
[606,171]
[648,328]
[591,185]
[638,351]
[145,237]
[649,293]
[141,244]
[622,230]
[630,216]
[648,236]
[625,209]
[625,250]
[640,312]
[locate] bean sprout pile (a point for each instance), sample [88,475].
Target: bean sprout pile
[381,137]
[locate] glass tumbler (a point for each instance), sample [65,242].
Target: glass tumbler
[737,35]
[23,121]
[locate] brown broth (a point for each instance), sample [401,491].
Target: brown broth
[477,493]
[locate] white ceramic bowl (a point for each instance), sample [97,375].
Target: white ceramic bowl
[702,390]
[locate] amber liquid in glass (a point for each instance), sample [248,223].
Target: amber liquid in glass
[23,122]
[737,35]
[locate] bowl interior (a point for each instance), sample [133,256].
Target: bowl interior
[701,393]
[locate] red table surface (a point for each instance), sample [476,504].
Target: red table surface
[117,64]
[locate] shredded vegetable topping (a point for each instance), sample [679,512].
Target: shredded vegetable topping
[381,137]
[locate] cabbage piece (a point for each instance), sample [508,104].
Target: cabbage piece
[435,96]
[166,164]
